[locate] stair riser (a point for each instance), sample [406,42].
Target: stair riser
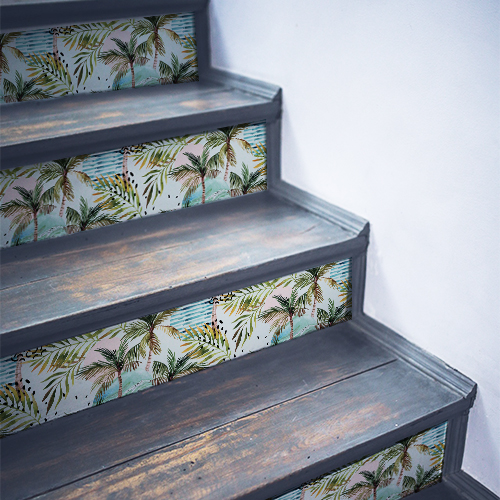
[150,187]
[400,481]
[211,333]
[82,58]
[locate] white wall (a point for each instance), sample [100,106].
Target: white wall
[391,110]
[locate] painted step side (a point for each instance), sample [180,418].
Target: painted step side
[333,396]
[117,274]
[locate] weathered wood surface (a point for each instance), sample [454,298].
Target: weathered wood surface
[262,454]
[28,14]
[85,443]
[150,265]
[45,130]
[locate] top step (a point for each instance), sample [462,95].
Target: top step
[19,15]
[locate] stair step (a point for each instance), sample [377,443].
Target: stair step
[253,428]
[20,15]
[38,131]
[110,275]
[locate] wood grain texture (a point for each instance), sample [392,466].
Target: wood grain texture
[91,440]
[82,124]
[258,455]
[178,258]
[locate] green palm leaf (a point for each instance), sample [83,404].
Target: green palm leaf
[18,409]
[206,344]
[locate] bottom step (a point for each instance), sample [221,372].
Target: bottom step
[262,425]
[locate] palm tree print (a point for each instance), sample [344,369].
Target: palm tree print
[174,368]
[23,90]
[311,279]
[70,374]
[363,490]
[146,328]
[196,172]
[59,171]
[31,204]
[87,217]
[125,56]
[224,138]
[332,315]
[113,365]
[177,72]
[422,479]
[247,183]
[283,314]
[151,27]
[6,40]
[401,452]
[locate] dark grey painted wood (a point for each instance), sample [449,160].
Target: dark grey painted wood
[203,41]
[260,455]
[273,144]
[114,433]
[455,443]
[467,488]
[179,258]
[418,357]
[19,15]
[321,207]
[56,128]
[358,284]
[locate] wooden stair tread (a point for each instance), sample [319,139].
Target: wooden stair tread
[267,422]
[82,124]
[106,276]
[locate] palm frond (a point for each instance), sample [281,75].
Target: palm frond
[206,344]
[118,196]
[18,409]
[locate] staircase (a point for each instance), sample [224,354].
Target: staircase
[293,416]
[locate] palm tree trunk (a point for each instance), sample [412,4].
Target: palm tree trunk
[303,493]
[61,212]
[314,295]
[124,165]
[150,357]
[35,231]
[291,327]
[228,145]
[55,51]
[133,74]
[203,190]
[120,384]
[374,493]
[155,63]
[18,383]
[214,312]
[400,476]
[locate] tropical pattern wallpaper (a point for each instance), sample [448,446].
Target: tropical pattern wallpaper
[46,383]
[407,467]
[97,57]
[69,195]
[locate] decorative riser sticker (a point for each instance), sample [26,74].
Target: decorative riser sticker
[67,376]
[97,57]
[407,467]
[69,195]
